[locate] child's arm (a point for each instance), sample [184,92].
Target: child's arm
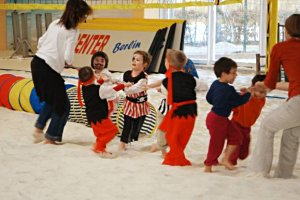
[136,88]
[155,84]
[117,80]
[236,99]
[108,91]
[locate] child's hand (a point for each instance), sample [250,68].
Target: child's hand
[128,84]
[260,84]
[258,91]
[244,91]
[146,75]
[145,87]
[116,81]
[252,91]
[104,77]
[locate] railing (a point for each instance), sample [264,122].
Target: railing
[280,37]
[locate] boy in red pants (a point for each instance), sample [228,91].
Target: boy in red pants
[223,98]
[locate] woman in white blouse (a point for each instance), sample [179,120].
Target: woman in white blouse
[55,50]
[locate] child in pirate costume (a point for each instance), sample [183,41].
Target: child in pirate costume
[135,105]
[178,124]
[97,109]
[99,63]
[160,142]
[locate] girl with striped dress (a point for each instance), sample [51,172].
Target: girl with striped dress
[135,105]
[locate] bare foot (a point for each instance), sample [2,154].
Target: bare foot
[122,147]
[47,141]
[38,135]
[227,165]
[153,148]
[107,155]
[163,153]
[207,169]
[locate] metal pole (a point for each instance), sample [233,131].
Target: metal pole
[38,23]
[263,27]
[48,19]
[211,40]
[245,25]
[24,34]
[16,32]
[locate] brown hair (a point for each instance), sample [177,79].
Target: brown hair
[85,74]
[176,58]
[75,12]
[258,77]
[146,56]
[102,55]
[292,25]
[224,64]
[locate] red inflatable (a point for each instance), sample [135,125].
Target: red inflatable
[5,86]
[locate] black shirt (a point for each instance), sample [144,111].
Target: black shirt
[183,90]
[96,108]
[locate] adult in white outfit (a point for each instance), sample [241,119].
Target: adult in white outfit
[55,50]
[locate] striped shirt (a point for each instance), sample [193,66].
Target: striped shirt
[135,93]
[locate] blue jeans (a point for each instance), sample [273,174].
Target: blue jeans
[57,123]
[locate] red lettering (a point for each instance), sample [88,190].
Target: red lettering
[90,44]
[86,43]
[83,39]
[95,38]
[104,42]
[97,44]
[78,43]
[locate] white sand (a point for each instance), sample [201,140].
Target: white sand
[72,171]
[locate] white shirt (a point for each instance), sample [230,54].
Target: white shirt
[106,90]
[57,46]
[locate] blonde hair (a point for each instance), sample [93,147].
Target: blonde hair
[176,58]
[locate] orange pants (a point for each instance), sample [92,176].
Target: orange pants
[105,132]
[178,134]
